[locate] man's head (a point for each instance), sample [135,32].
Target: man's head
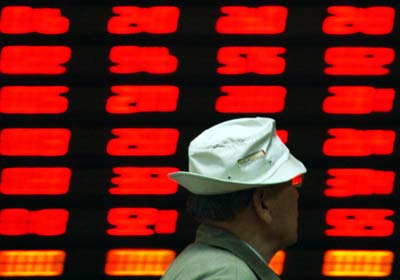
[241,175]
[271,211]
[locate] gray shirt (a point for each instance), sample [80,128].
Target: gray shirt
[217,254]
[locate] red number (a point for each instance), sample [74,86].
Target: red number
[34,59]
[358,100]
[346,20]
[141,221]
[246,20]
[132,20]
[132,59]
[131,99]
[33,99]
[34,141]
[283,135]
[251,99]
[140,262]
[47,222]
[352,142]
[35,180]
[143,180]
[244,60]
[24,19]
[358,263]
[358,60]
[359,181]
[143,142]
[359,222]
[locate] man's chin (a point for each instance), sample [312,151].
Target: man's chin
[291,243]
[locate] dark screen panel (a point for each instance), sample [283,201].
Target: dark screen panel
[99,103]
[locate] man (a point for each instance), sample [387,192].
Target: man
[242,181]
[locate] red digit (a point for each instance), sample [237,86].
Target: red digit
[141,221]
[358,100]
[132,59]
[344,20]
[154,20]
[244,60]
[35,180]
[352,142]
[34,141]
[143,180]
[358,61]
[43,60]
[283,135]
[24,19]
[130,99]
[347,182]
[33,99]
[251,99]
[359,222]
[248,20]
[45,222]
[46,60]
[143,142]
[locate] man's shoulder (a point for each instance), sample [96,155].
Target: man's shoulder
[201,261]
[199,251]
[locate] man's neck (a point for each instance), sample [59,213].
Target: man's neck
[249,234]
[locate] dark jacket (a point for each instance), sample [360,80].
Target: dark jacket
[218,254]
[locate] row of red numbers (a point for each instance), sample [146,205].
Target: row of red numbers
[132,99]
[163,142]
[235,60]
[342,20]
[149,221]
[342,182]
[359,222]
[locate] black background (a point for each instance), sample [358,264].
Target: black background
[195,44]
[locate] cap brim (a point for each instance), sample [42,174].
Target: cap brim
[203,185]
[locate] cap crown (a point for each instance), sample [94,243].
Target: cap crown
[239,150]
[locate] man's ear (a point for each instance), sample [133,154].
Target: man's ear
[260,204]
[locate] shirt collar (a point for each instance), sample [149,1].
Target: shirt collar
[224,239]
[254,251]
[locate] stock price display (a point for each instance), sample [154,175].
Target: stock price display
[99,101]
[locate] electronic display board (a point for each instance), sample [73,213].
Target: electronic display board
[100,99]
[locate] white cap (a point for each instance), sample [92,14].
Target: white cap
[235,155]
